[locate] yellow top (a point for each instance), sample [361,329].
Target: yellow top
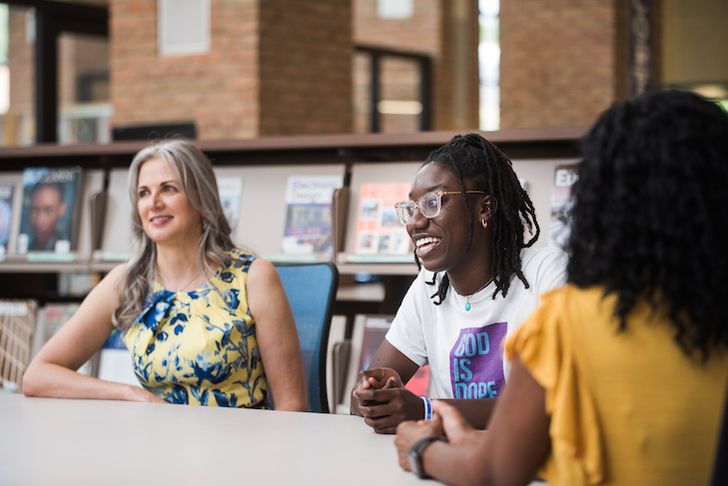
[199,347]
[625,408]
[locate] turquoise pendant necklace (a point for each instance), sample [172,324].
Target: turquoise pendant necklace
[468,305]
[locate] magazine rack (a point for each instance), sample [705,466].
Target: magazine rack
[262,218]
[264,166]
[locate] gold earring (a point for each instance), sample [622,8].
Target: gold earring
[484,222]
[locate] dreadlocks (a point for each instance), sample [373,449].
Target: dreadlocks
[474,158]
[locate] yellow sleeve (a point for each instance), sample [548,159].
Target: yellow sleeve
[545,346]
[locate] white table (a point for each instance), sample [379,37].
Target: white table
[96,442]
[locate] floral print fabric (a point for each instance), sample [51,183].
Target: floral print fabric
[199,347]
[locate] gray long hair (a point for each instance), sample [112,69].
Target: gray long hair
[200,186]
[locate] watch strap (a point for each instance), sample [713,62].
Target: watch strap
[416,452]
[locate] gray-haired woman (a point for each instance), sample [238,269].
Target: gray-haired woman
[206,323]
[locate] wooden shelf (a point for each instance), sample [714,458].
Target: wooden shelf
[304,150]
[16,266]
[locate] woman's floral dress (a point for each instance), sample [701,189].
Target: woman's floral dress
[199,347]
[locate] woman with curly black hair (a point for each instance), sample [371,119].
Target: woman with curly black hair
[619,377]
[473,226]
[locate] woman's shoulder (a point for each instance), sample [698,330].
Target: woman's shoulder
[239,259]
[574,303]
[241,262]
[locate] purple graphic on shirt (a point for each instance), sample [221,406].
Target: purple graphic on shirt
[476,362]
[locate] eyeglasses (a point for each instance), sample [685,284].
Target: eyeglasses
[429,204]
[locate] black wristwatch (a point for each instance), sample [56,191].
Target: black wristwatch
[416,451]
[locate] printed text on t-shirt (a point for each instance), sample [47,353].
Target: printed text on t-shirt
[476,361]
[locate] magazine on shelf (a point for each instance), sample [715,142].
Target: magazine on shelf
[308,215]
[17,323]
[378,231]
[6,214]
[50,318]
[231,193]
[559,226]
[51,210]
[375,328]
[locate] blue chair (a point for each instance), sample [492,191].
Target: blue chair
[311,291]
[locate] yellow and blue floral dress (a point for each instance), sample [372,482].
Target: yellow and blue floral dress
[199,347]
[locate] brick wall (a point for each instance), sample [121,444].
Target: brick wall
[558,66]
[281,67]
[218,90]
[305,59]
[274,67]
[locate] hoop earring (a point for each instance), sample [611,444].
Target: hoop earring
[484,223]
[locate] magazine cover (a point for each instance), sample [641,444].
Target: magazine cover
[564,177]
[50,214]
[375,328]
[308,215]
[231,193]
[378,231]
[6,215]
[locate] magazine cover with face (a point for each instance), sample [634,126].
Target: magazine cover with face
[50,215]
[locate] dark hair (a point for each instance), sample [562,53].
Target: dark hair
[649,218]
[474,158]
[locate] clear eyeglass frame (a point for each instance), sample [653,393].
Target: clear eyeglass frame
[430,205]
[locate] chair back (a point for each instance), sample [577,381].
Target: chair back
[311,291]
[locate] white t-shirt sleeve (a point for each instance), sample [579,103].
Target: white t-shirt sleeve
[406,332]
[551,272]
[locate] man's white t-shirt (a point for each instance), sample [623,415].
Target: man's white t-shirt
[465,348]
